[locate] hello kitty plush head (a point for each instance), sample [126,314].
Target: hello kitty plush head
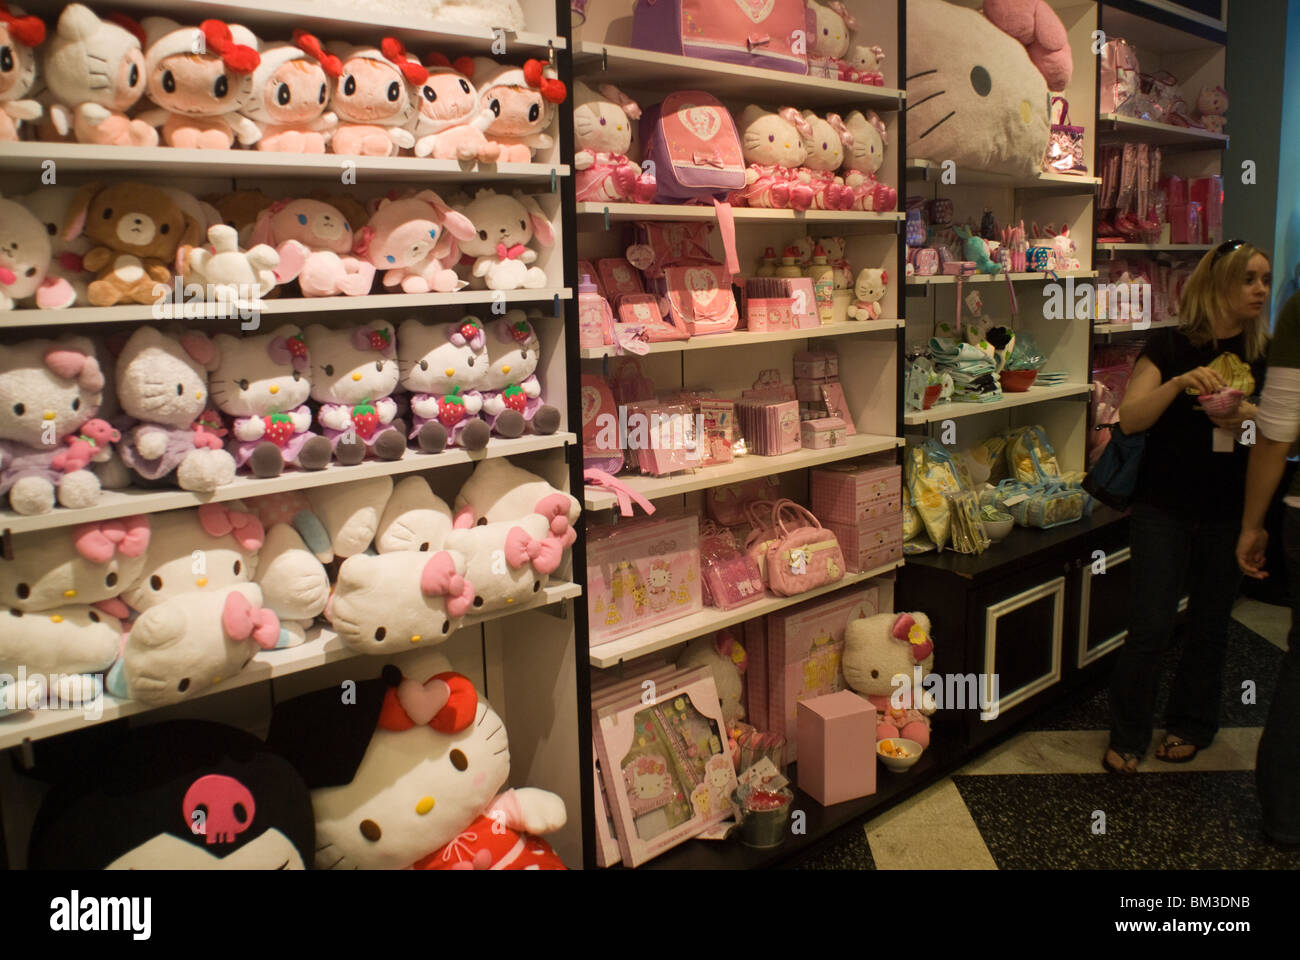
[24,254]
[162,379]
[313,223]
[508,563]
[773,139]
[206,549]
[824,141]
[869,138]
[94,61]
[414,519]
[513,350]
[20,35]
[979,84]
[48,390]
[864,60]
[376,85]
[435,358]
[390,602]
[203,71]
[603,120]
[830,29]
[352,365]
[881,647]
[291,84]
[498,490]
[260,375]
[86,564]
[64,644]
[871,285]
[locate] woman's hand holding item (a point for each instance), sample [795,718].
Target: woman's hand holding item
[1200,379]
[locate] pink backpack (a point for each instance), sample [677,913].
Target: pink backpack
[752,33]
[1119,75]
[700,298]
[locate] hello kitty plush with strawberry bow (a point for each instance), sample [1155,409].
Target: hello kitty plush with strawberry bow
[603,125]
[512,394]
[501,227]
[452,115]
[413,240]
[353,374]
[20,35]
[863,156]
[314,241]
[288,98]
[374,98]
[444,367]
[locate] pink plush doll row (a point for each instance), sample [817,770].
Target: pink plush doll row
[102,245]
[188,410]
[796,160]
[114,81]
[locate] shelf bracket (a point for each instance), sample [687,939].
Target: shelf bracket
[554,180]
[604,59]
[550,52]
[607,219]
[555,305]
[7,544]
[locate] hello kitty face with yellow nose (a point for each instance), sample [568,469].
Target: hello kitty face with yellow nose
[209,549]
[512,351]
[831,34]
[261,375]
[435,358]
[352,364]
[823,143]
[603,121]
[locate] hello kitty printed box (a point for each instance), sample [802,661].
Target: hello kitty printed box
[642,574]
[805,645]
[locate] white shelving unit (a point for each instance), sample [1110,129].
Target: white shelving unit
[949,411]
[1037,276]
[1117,127]
[745,337]
[627,212]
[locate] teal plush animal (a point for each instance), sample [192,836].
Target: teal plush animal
[977,250]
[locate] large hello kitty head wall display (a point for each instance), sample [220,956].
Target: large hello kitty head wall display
[978,82]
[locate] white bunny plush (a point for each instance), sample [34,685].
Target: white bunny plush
[262,383]
[66,278]
[353,375]
[512,394]
[444,367]
[24,257]
[392,601]
[228,274]
[415,519]
[95,73]
[20,35]
[603,124]
[863,157]
[504,224]
[507,562]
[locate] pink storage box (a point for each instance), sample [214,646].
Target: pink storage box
[816,365]
[642,574]
[837,747]
[843,492]
[823,433]
[869,544]
[809,389]
[805,645]
[765,314]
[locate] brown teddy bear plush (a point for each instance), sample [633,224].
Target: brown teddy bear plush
[137,229]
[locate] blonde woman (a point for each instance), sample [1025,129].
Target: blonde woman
[1187,504]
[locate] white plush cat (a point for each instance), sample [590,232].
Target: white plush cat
[57,653]
[353,374]
[391,602]
[603,125]
[509,562]
[869,291]
[89,564]
[512,394]
[444,367]
[206,549]
[24,255]
[773,146]
[415,519]
[824,142]
[294,583]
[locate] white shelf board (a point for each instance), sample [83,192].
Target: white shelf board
[172,161]
[1132,327]
[676,211]
[340,20]
[145,313]
[709,619]
[1115,127]
[598,62]
[322,646]
[939,279]
[1151,36]
[966,176]
[746,468]
[950,411]
[745,338]
[1157,247]
[123,503]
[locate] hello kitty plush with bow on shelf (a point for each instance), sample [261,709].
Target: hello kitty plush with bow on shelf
[374,98]
[289,99]
[603,125]
[95,72]
[773,147]
[452,115]
[830,31]
[508,563]
[197,77]
[1211,106]
[512,394]
[444,367]
[393,601]
[501,227]
[20,35]
[868,291]
[522,103]
[825,140]
[314,242]
[353,374]
[862,65]
[863,157]
[413,240]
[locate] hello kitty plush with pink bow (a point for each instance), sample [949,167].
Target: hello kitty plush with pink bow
[413,240]
[773,146]
[508,563]
[603,124]
[864,154]
[452,116]
[394,601]
[830,32]
[501,225]
[314,241]
[862,65]
[825,140]
[880,648]
[512,394]
[353,375]
[374,98]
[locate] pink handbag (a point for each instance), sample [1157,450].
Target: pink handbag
[729,505]
[700,297]
[804,557]
[762,535]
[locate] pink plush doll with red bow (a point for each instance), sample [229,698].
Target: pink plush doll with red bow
[314,241]
[375,99]
[501,227]
[413,240]
[197,78]
[603,125]
[883,656]
[289,96]
[522,103]
[452,115]
[20,35]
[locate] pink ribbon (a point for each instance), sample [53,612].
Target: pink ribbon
[625,494]
[510,253]
[218,520]
[543,554]
[440,579]
[242,621]
[903,627]
[97,542]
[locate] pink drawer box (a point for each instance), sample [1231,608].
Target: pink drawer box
[868,544]
[816,365]
[842,492]
[642,574]
[837,747]
[809,389]
[823,434]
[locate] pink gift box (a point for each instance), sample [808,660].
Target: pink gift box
[823,433]
[872,543]
[816,365]
[767,314]
[1208,192]
[805,645]
[1185,222]
[642,574]
[837,747]
[844,492]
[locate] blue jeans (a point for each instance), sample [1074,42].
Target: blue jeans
[1174,554]
[1277,765]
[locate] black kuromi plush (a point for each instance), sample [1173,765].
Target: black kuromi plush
[184,794]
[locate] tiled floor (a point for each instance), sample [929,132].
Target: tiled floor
[1042,801]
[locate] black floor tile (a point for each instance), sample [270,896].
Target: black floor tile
[848,851]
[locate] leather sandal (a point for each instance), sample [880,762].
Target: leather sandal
[1172,742]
